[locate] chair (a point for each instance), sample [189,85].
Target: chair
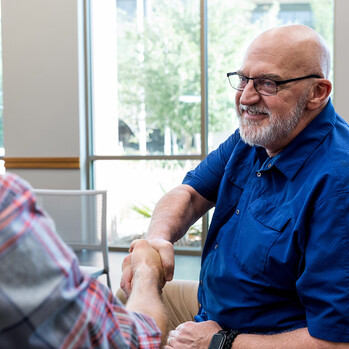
[80,218]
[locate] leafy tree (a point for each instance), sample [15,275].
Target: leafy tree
[230,29]
[159,62]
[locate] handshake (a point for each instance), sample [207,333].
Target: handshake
[149,264]
[144,273]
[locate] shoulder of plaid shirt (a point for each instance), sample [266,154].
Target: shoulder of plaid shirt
[45,301]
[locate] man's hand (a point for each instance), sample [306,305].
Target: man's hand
[164,249]
[126,277]
[193,335]
[142,260]
[166,252]
[144,264]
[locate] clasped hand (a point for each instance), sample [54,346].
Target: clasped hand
[192,335]
[166,252]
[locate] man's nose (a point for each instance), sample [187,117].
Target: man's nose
[249,95]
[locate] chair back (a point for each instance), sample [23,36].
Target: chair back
[80,219]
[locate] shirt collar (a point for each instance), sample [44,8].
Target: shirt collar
[292,158]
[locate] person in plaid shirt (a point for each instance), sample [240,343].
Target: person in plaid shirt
[45,300]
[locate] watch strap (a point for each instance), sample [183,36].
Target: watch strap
[231,335]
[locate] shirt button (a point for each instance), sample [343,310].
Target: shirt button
[237,212]
[201,283]
[215,246]
[258,174]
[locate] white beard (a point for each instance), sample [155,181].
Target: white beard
[279,127]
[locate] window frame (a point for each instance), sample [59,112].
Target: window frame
[91,159]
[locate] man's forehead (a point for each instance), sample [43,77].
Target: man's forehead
[262,74]
[262,65]
[263,58]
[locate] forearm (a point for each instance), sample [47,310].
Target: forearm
[176,212]
[298,339]
[146,298]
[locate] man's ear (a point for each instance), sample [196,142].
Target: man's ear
[319,94]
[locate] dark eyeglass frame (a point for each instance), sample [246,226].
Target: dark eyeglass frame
[277,82]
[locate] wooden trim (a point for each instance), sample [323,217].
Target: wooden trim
[51,163]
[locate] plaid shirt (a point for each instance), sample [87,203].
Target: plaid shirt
[45,301]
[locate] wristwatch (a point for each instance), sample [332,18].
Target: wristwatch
[223,339]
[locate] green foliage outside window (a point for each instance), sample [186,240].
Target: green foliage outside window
[159,60]
[159,79]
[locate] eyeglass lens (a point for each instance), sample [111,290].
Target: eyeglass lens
[262,85]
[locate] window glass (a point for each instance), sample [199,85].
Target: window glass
[157,69]
[231,27]
[146,93]
[134,187]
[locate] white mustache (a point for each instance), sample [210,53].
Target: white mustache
[253,109]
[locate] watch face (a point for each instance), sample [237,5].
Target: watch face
[217,341]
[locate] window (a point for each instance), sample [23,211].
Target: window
[160,100]
[288,13]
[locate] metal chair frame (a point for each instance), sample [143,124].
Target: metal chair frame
[102,245]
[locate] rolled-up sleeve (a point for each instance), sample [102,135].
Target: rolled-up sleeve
[207,176]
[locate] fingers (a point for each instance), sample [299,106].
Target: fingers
[166,251]
[126,278]
[192,335]
[144,255]
[173,342]
[143,252]
[168,341]
[141,256]
[133,244]
[171,339]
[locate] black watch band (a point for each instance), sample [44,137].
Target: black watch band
[231,335]
[223,339]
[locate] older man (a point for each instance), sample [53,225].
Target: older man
[275,266]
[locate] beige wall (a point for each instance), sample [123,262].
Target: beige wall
[42,106]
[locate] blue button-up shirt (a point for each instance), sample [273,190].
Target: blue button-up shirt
[277,252]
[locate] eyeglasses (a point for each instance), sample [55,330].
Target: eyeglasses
[264,86]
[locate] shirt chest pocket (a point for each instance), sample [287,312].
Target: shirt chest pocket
[260,228]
